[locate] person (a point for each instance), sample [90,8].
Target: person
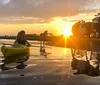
[42,50]
[21,39]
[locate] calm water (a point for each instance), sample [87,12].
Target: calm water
[55,52]
[38,70]
[57,57]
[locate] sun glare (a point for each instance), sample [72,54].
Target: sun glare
[67,33]
[67,30]
[62,26]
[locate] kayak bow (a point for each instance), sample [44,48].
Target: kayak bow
[17,49]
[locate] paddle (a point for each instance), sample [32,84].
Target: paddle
[29,46]
[6,44]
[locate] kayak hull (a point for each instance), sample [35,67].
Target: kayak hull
[15,50]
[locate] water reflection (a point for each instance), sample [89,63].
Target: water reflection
[20,59]
[86,66]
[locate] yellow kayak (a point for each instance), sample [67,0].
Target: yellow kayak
[15,50]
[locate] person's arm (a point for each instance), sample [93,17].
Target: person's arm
[15,42]
[28,43]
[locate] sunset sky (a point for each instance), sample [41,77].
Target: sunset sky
[36,16]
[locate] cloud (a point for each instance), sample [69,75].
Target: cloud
[4,2]
[45,9]
[21,20]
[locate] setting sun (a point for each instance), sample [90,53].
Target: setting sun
[68,29]
[67,33]
[62,26]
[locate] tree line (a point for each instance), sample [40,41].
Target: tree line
[90,28]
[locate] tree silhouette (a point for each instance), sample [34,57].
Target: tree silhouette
[96,23]
[43,35]
[86,26]
[75,28]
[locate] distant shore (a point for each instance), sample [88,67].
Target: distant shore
[60,41]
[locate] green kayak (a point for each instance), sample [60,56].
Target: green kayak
[14,50]
[16,59]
